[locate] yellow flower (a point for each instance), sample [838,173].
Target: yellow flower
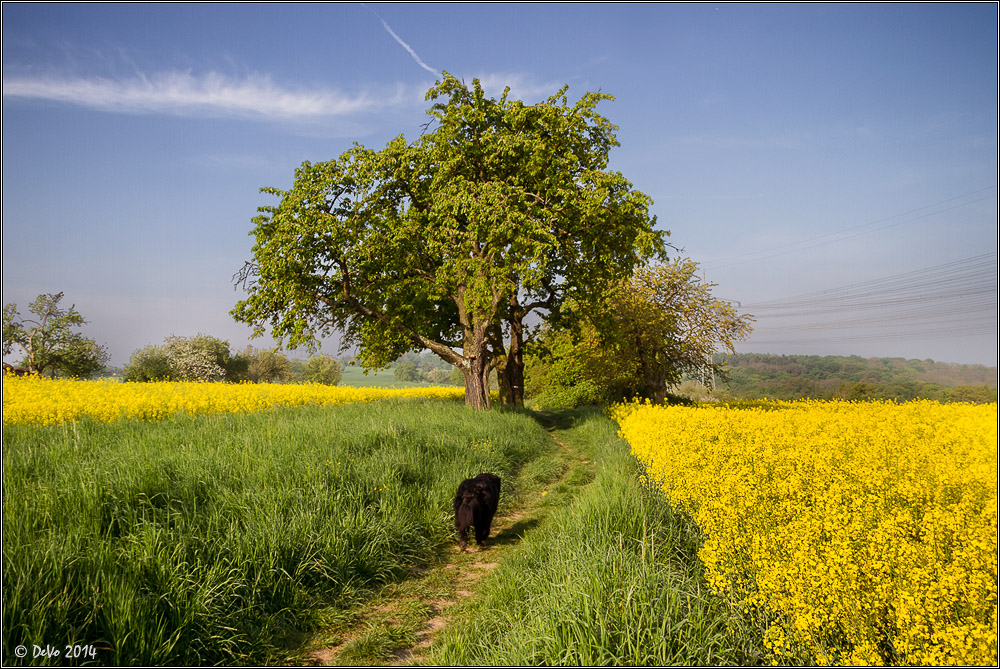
[45,401]
[863,526]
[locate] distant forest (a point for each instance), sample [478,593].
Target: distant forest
[754,375]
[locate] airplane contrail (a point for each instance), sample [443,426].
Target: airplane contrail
[403,44]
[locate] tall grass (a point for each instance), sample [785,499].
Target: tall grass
[211,540]
[611,578]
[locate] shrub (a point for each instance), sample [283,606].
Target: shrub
[406,372]
[148,364]
[267,365]
[199,358]
[323,369]
[196,359]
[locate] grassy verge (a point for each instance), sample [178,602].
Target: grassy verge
[217,539]
[398,624]
[611,578]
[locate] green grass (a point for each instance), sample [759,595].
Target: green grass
[354,376]
[254,539]
[224,539]
[610,578]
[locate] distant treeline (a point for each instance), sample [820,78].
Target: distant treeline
[752,375]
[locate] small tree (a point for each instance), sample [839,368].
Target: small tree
[198,358]
[266,365]
[194,359]
[406,371]
[148,364]
[49,342]
[442,376]
[324,369]
[647,334]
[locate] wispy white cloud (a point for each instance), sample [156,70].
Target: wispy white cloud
[251,96]
[211,94]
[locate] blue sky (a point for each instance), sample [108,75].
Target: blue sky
[830,166]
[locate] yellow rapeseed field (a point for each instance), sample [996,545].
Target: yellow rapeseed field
[865,532]
[46,401]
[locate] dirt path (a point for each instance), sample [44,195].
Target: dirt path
[398,626]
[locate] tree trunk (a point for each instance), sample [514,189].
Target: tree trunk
[503,386]
[654,385]
[477,390]
[499,363]
[476,370]
[513,369]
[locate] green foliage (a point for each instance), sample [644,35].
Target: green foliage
[443,377]
[974,394]
[49,342]
[562,376]
[198,358]
[298,369]
[406,371]
[81,358]
[584,392]
[789,377]
[323,369]
[214,540]
[425,367]
[266,366]
[446,243]
[640,340]
[148,364]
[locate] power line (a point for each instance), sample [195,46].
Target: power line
[975,271]
[950,300]
[916,335]
[858,230]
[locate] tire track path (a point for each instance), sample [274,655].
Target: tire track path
[398,626]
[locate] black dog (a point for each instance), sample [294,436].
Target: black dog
[475,504]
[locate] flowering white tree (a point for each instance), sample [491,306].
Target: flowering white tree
[190,360]
[200,358]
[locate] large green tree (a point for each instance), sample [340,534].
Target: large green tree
[448,243]
[49,340]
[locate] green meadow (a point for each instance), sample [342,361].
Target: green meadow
[237,539]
